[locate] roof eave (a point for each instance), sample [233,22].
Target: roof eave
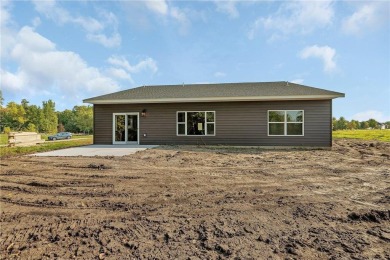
[213,99]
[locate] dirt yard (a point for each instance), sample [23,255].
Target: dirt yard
[198,203]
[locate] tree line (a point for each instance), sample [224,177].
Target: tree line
[343,124]
[44,119]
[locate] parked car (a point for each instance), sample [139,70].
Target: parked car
[59,136]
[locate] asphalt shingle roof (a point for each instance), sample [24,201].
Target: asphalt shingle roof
[176,93]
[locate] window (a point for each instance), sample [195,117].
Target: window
[196,123]
[285,122]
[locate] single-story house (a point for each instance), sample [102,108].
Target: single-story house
[255,114]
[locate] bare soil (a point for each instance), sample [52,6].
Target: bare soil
[200,203]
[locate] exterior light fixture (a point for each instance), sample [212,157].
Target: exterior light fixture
[143,113]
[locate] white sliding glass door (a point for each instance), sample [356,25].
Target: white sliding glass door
[125,128]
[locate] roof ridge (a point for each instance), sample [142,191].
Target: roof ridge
[221,83]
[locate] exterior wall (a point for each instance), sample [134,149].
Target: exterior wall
[236,123]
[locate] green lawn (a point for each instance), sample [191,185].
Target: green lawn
[3,139]
[379,135]
[47,146]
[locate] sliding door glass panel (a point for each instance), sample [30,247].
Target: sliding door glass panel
[120,121]
[132,131]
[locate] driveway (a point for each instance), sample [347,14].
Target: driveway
[97,150]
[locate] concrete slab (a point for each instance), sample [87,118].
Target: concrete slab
[97,150]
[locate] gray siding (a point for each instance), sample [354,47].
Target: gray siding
[237,123]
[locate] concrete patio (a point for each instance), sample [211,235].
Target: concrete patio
[97,150]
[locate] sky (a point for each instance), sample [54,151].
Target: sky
[71,50]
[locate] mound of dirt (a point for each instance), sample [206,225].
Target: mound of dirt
[371,216]
[187,202]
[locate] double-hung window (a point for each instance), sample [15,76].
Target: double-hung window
[196,123]
[285,122]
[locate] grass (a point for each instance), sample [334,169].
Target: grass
[47,146]
[44,136]
[4,137]
[374,135]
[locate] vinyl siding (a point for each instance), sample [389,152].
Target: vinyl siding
[236,123]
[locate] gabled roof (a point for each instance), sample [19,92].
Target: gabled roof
[222,92]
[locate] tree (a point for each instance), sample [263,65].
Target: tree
[67,119]
[334,123]
[24,103]
[13,116]
[364,125]
[31,128]
[83,116]
[341,124]
[60,128]
[353,125]
[49,120]
[372,123]
[34,115]
[1,98]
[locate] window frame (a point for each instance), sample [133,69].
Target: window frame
[286,122]
[185,122]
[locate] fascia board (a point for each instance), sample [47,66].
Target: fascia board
[212,99]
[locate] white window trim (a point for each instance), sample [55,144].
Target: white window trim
[185,122]
[285,122]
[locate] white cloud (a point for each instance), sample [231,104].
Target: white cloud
[254,28]
[161,7]
[181,18]
[36,22]
[33,41]
[7,39]
[4,13]
[12,82]
[109,42]
[61,16]
[94,28]
[296,17]
[377,115]
[146,64]
[367,16]
[120,74]
[219,74]
[325,53]
[157,6]
[297,81]
[42,66]
[228,7]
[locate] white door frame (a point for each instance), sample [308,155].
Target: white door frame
[126,124]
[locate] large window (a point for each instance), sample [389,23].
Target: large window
[285,122]
[196,123]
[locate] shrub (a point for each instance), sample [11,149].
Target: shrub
[7,130]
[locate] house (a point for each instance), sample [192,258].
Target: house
[258,114]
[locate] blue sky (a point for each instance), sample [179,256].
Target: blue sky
[71,50]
